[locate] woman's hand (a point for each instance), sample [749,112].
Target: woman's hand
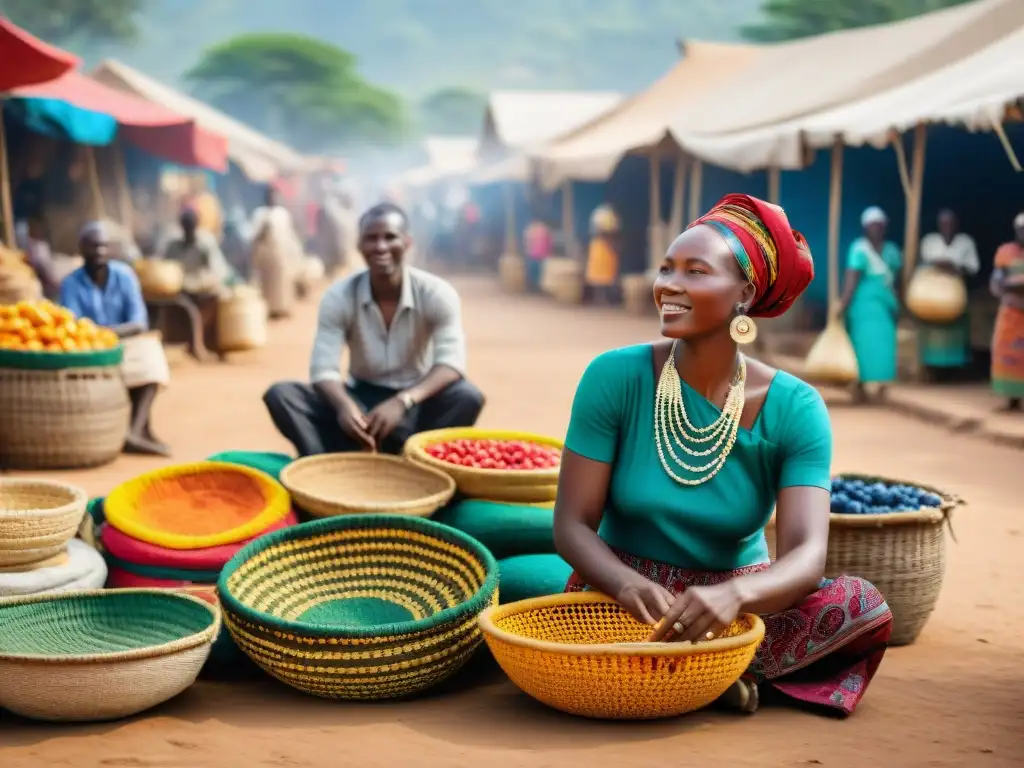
[700,610]
[645,600]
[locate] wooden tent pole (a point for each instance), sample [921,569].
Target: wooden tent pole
[835,210]
[912,228]
[5,186]
[510,219]
[654,225]
[99,208]
[568,220]
[124,195]
[675,222]
[774,185]
[696,188]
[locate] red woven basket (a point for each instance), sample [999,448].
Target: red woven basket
[124,547]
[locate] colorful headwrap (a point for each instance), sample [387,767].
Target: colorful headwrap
[775,257]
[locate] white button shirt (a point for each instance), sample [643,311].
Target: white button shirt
[426,331]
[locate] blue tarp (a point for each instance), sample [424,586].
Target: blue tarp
[60,120]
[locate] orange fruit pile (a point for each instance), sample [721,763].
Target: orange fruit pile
[42,326]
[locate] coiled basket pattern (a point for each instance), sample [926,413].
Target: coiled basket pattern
[583,654]
[359,606]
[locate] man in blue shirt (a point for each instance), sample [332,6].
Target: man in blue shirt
[108,293]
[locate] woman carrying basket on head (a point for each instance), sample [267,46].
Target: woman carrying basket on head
[678,451]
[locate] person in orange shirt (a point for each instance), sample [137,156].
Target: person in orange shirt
[602,273]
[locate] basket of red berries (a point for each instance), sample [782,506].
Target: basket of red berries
[500,465]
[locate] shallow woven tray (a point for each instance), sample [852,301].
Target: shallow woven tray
[123,511]
[100,655]
[37,519]
[359,606]
[80,568]
[583,654]
[366,483]
[494,484]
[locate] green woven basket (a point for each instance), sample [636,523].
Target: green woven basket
[103,654]
[57,361]
[359,606]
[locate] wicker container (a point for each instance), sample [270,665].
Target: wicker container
[61,418]
[160,278]
[37,519]
[512,273]
[637,295]
[159,507]
[530,485]
[366,483]
[584,654]
[241,322]
[79,567]
[359,606]
[902,553]
[100,655]
[554,269]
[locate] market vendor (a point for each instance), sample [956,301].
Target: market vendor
[108,292]
[407,354]
[198,252]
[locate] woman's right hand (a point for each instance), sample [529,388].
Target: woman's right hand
[646,601]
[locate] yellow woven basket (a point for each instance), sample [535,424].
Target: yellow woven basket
[528,485]
[125,507]
[583,654]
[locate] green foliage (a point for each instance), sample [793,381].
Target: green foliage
[64,22]
[453,112]
[304,91]
[791,19]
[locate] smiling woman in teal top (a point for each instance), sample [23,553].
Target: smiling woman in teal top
[677,453]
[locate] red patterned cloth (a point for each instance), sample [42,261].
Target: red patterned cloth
[823,651]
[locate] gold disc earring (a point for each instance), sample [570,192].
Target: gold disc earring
[742,329]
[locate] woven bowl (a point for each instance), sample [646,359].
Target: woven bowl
[365,483]
[583,654]
[359,606]
[528,485]
[178,507]
[37,519]
[100,655]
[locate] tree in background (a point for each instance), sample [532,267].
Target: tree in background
[301,90]
[791,19]
[64,22]
[453,112]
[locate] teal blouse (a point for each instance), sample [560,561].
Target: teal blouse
[715,526]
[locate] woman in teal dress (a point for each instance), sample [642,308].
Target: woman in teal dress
[869,301]
[678,451]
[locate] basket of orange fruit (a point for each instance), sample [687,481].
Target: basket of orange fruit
[63,401]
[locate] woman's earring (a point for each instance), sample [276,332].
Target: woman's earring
[742,329]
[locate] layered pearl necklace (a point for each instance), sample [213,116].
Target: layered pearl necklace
[673,427]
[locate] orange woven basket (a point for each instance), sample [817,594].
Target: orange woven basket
[583,654]
[199,505]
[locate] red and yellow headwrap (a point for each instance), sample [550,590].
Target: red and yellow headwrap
[774,256]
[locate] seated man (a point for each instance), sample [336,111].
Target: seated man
[198,252]
[407,355]
[108,293]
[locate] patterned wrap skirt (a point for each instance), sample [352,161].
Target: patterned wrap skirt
[823,651]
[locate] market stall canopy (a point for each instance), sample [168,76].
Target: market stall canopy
[591,151]
[516,120]
[27,60]
[448,157]
[149,126]
[261,159]
[974,91]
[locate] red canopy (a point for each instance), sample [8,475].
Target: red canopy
[27,60]
[145,124]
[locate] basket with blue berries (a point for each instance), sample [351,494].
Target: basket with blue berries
[891,533]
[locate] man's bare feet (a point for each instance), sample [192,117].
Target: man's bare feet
[143,446]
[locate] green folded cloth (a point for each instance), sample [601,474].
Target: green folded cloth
[264,461]
[505,529]
[526,576]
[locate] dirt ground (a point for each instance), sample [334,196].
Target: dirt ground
[953,699]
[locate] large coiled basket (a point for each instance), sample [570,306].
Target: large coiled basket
[61,410]
[583,654]
[531,485]
[100,655]
[359,606]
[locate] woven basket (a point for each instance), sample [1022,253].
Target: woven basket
[528,485]
[903,554]
[62,419]
[132,506]
[583,654]
[365,483]
[512,273]
[80,567]
[359,606]
[241,323]
[37,519]
[100,655]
